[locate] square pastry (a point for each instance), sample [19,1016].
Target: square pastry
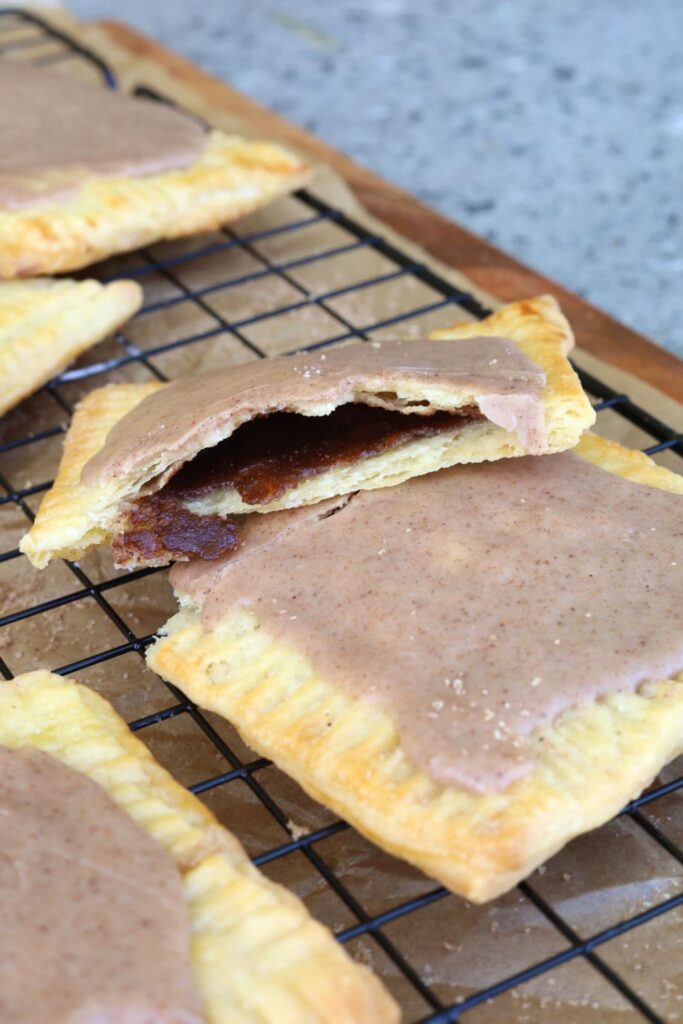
[188,930]
[86,172]
[471,668]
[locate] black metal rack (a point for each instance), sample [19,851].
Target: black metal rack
[28,37]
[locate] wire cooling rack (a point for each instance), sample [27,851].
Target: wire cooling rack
[167,275]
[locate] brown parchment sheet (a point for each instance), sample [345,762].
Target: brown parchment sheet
[457,949]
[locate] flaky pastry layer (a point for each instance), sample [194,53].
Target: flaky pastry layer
[74,516]
[540,329]
[347,754]
[109,215]
[44,324]
[257,955]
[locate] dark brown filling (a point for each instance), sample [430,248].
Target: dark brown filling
[262,460]
[270,455]
[160,528]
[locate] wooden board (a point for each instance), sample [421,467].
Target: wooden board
[489,267]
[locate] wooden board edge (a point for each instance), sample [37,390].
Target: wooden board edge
[488,267]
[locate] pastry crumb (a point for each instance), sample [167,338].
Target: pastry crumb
[296,831]
[362,954]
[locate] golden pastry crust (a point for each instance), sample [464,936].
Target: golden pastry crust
[347,753]
[257,955]
[64,526]
[74,516]
[542,332]
[109,215]
[626,462]
[45,324]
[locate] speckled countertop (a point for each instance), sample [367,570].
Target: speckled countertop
[551,127]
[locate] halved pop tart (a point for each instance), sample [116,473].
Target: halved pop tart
[160,470]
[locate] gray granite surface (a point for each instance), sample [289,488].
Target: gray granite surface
[552,127]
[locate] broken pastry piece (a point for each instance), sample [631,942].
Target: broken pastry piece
[471,668]
[45,323]
[158,913]
[160,469]
[86,172]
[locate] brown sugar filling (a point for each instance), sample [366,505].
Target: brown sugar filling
[270,455]
[262,460]
[159,527]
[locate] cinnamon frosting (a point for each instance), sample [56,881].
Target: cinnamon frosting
[94,924]
[57,132]
[474,605]
[171,425]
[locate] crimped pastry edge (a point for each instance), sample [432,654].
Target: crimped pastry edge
[45,324]
[258,957]
[109,215]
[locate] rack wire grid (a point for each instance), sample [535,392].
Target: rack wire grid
[537,932]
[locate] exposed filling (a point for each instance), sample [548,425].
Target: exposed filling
[270,455]
[94,925]
[159,528]
[508,385]
[262,460]
[474,604]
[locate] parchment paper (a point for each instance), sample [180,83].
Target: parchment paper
[457,948]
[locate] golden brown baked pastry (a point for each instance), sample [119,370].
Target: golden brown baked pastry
[86,172]
[44,324]
[127,441]
[232,177]
[579,766]
[257,955]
